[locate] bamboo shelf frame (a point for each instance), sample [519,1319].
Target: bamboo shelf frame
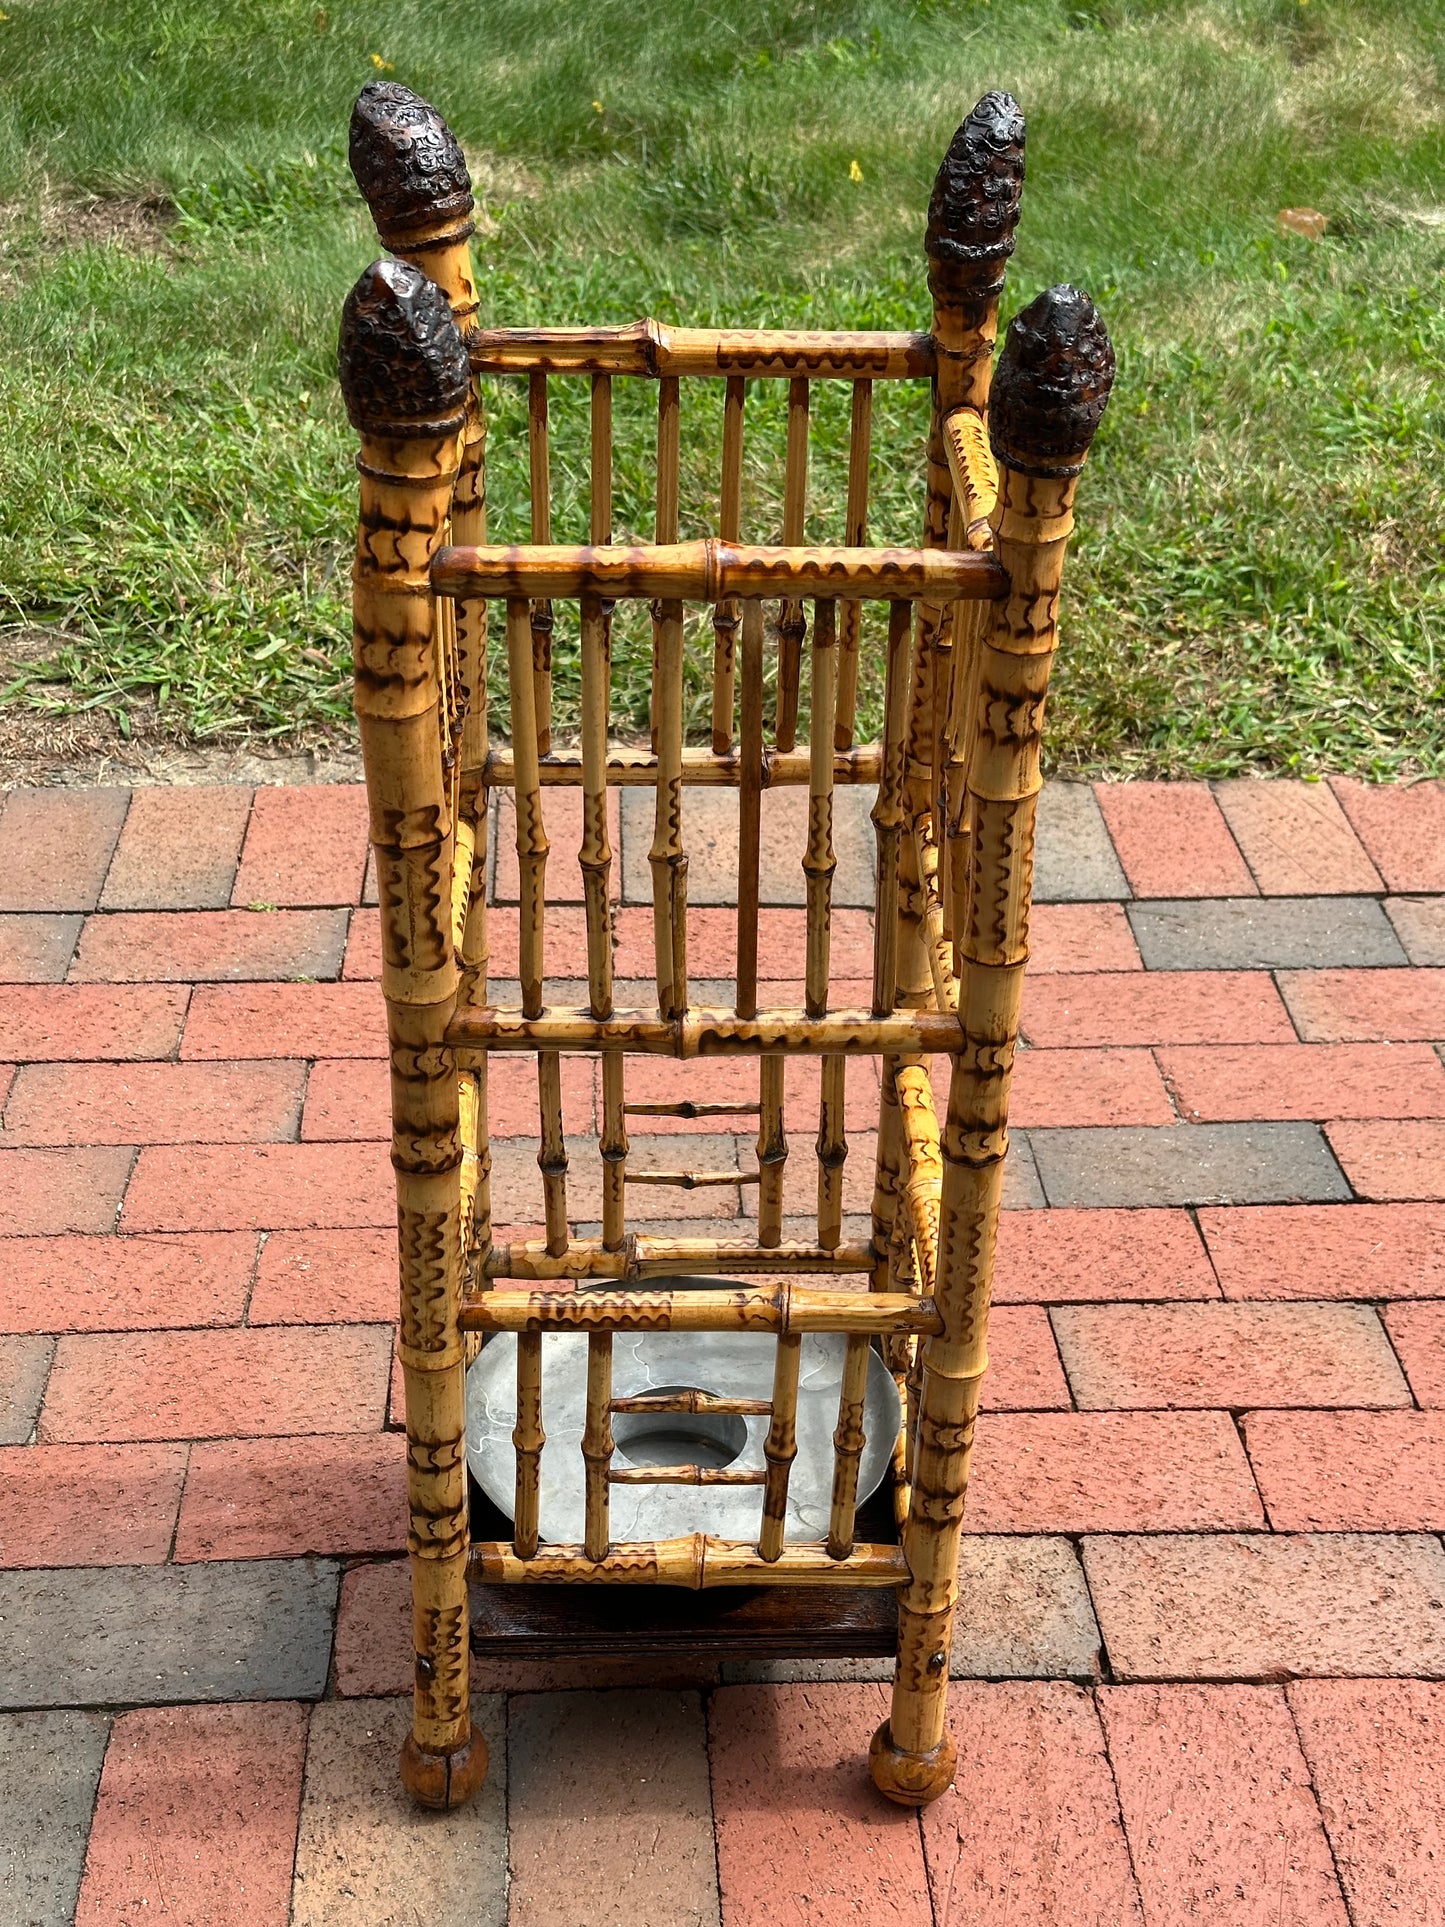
[971,618]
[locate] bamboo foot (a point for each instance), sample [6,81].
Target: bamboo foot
[912,1779]
[444,1780]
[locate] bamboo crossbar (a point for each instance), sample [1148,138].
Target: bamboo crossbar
[712,571]
[696,1561]
[785,1308]
[641,1257]
[637,768]
[650,348]
[694,1402]
[701,1032]
[684,1475]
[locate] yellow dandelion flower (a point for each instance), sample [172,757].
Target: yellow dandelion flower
[598,108]
[855,172]
[381,66]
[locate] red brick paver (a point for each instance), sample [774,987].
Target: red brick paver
[70,1190]
[1350,1471]
[800,1833]
[1156,1007]
[1402,826]
[1024,1373]
[55,846]
[1296,839]
[1327,1250]
[154,1103]
[196,1819]
[1221,1819]
[1030,1830]
[218,1384]
[285,1020]
[70,1023]
[1105,1254]
[1374,1750]
[88,1505]
[1146,1356]
[191,946]
[1110,1472]
[1418,1334]
[1221,1082]
[305,845]
[1173,840]
[1366,1006]
[326,1277]
[281,1497]
[282,1187]
[178,850]
[1399,1161]
[106,1283]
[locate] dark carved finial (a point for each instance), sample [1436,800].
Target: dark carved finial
[974,207]
[406,160]
[1051,385]
[403,365]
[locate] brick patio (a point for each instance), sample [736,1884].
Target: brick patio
[1201,1656]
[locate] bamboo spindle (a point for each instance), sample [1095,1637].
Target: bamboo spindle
[600,506]
[780,1447]
[1050,391]
[888,823]
[923,1167]
[848,1443]
[792,626]
[597,1444]
[935,944]
[669,465]
[750,803]
[404,377]
[528,1438]
[819,864]
[855,534]
[596,865]
[975,492]
[543,622]
[667,857]
[725,613]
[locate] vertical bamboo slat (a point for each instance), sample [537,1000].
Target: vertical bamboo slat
[528,1438]
[1050,391]
[596,865]
[888,823]
[404,375]
[781,1445]
[669,464]
[730,519]
[750,803]
[791,624]
[543,622]
[855,534]
[848,1443]
[819,864]
[597,1444]
[667,857]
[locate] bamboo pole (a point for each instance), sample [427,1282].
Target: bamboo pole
[711,571]
[780,1447]
[935,946]
[848,1443]
[649,348]
[642,1257]
[772,1149]
[596,864]
[404,377]
[690,1400]
[704,1032]
[697,1562]
[528,1438]
[730,517]
[855,533]
[923,1167]
[543,622]
[637,768]
[597,1444]
[1049,393]
[669,463]
[819,865]
[750,777]
[667,857]
[792,626]
[785,1308]
[888,823]
[688,1474]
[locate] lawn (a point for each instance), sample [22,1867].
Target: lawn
[1257,581]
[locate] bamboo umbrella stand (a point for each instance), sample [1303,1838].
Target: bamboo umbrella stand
[899,1298]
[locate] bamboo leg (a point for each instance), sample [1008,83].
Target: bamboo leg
[405,376]
[1050,390]
[855,534]
[791,624]
[725,614]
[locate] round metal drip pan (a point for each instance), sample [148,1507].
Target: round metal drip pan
[727,1364]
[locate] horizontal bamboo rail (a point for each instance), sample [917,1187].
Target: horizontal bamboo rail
[694,1401]
[637,768]
[650,348]
[784,1308]
[711,571]
[642,1257]
[684,1475]
[707,1033]
[696,1561]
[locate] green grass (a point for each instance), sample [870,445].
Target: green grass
[1257,581]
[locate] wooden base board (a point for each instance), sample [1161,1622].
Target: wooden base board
[653,1622]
